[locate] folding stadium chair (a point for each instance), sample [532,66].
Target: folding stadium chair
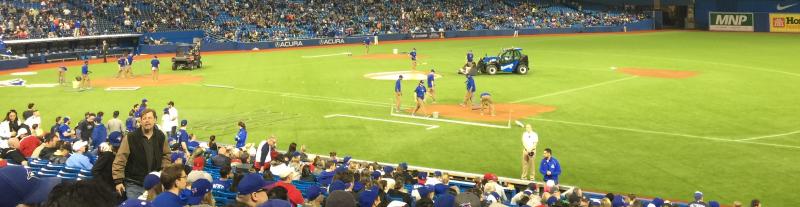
[71,170]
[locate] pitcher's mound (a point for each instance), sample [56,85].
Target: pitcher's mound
[387,56]
[658,73]
[518,111]
[146,80]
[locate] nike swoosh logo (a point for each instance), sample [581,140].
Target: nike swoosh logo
[781,8]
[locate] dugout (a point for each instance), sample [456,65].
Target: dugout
[73,48]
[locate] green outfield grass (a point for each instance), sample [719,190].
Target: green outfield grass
[611,133]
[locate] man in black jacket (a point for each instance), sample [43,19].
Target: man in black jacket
[143,151]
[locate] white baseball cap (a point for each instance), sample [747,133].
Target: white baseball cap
[78,145]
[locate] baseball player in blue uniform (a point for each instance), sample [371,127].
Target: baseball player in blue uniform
[85,84]
[487,103]
[121,62]
[154,66]
[398,92]
[413,55]
[130,64]
[420,92]
[470,56]
[366,43]
[470,91]
[431,84]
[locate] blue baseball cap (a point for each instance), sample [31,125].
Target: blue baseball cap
[312,192]
[713,204]
[66,119]
[367,197]
[422,175]
[388,170]
[176,156]
[375,175]
[618,201]
[296,154]
[276,203]
[184,122]
[552,201]
[144,100]
[657,202]
[18,186]
[403,165]
[133,202]
[151,180]
[251,183]
[437,173]
[337,185]
[199,189]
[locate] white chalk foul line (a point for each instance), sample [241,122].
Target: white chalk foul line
[454,121]
[666,133]
[575,89]
[327,55]
[429,126]
[770,136]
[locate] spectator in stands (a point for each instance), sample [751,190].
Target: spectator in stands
[755,203]
[212,143]
[131,124]
[198,161]
[12,153]
[201,196]
[77,159]
[223,183]
[65,133]
[28,142]
[307,175]
[193,144]
[46,149]
[9,126]
[340,199]
[183,136]
[369,198]
[698,200]
[82,193]
[29,113]
[490,179]
[114,124]
[54,128]
[173,178]
[152,186]
[286,175]
[529,141]
[141,152]
[101,170]
[425,195]
[222,158]
[86,127]
[100,132]
[34,119]
[326,176]
[241,136]
[549,167]
[252,190]
[313,196]
[60,155]
[265,153]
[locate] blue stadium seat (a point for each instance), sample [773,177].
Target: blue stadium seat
[71,170]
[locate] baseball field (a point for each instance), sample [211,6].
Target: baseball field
[659,114]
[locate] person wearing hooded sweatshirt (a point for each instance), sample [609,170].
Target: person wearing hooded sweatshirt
[241,136]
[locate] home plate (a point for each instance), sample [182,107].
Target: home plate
[24,73]
[42,85]
[131,88]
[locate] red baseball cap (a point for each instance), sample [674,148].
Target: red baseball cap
[3,163]
[490,176]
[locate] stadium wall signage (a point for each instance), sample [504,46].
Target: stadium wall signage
[784,22]
[284,44]
[334,41]
[730,21]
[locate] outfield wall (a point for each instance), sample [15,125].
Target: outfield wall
[760,9]
[220,46]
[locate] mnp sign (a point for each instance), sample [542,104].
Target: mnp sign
[784,22]
[730,21]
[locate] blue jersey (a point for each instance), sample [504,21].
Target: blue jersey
[85,69]
[397,87]
[241,138]
[551,165]
[430,80]
[470,84]
[222,184]
[470,56]
[183,136]
[130,59]
[366,41]
[64,128]
[155,63]
[413,55]
[121,62]
[420,92]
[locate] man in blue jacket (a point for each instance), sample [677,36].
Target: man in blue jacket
[549,167]
[470,91]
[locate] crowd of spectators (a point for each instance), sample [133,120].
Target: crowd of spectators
[152,167]
[262,20]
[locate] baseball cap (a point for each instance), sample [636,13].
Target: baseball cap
[176,156]
[66,119]
[296,154]
[552,201]
[21,131]
[199,190]
[151,180]
[276,203]
[422,175]
[198,175]
[281,170]
[403,166]
[133,202]
[367,197]
[337,185]
[467,199]
[251,183]
[388,170]
[713,204]
[657,202]
[698,195]
[618,201]
[144,100]
[437,173]
[401,76]
[312,192]
[184,122]
[18,186]
[78,145]
[340,199]
[490,176]
[375,175]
